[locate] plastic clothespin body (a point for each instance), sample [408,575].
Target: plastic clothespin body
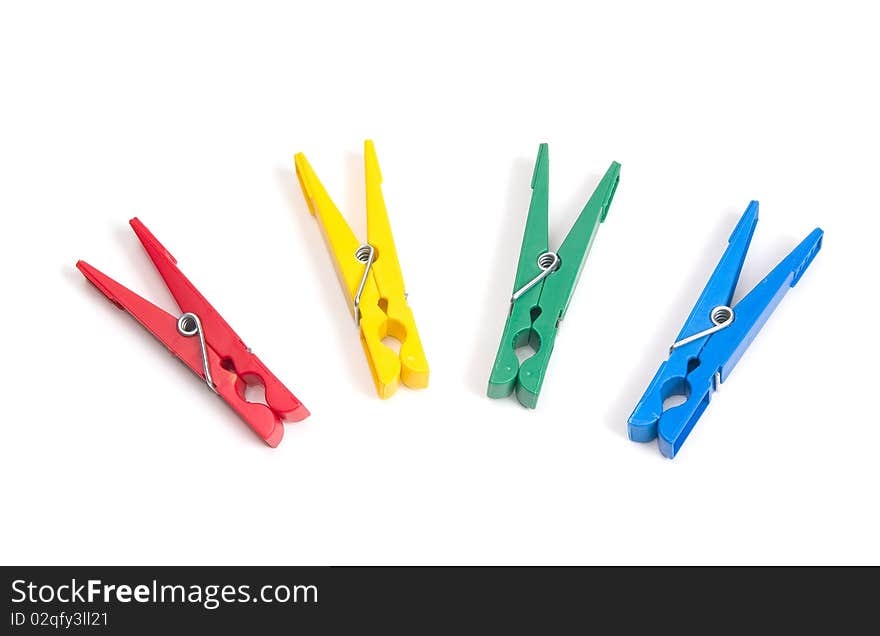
[224,361]
[373,269]
[536,310]
[697,365]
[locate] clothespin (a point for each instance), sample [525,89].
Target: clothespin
[714,337]
[204,342]
[371,278]
[544,283]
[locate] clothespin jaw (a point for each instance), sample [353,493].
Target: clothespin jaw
[217,355]
[714,338]
[372,279]
[400,323]
[505,375]
[544,284]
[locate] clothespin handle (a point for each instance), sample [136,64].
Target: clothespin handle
[234,353]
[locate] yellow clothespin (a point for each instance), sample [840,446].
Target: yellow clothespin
[371,277]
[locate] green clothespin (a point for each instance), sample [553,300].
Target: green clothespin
[544,284]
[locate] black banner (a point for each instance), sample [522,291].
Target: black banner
[295,600]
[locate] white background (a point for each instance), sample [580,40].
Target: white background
[189,115]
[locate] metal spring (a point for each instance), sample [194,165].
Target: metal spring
[189,325]
[549,263]
[365,254]
[721,316]
[547,260]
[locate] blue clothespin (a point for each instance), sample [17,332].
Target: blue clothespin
[714,337]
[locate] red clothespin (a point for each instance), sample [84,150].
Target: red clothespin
[204,342]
